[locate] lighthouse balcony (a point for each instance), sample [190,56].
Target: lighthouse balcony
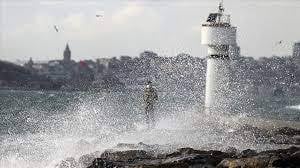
[216,24]
[221,56]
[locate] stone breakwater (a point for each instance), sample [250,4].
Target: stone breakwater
[150,156]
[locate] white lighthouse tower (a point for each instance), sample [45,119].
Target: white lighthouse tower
[219,35]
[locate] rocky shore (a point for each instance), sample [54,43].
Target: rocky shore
[147,156]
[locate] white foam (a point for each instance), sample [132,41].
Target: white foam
[91,128]
[296,107]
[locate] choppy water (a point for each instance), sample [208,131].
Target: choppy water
[38,129]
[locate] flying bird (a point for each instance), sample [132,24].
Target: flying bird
[99,15]
[279,42]
[55,27]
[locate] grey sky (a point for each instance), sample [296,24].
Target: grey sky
[167,27]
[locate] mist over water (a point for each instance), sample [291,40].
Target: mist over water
[38,129]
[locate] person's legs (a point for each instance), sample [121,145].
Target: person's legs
[151,116]
[147,111]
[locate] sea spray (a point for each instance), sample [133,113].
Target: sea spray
[83,123]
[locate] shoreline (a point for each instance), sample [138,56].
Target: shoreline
[142,155]
[187,158]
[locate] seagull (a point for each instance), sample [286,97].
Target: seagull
[279,42]
[55,27]
[99,15]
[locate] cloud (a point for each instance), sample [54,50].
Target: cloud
[124,30]
[74,22]
[129,27]
[128,12]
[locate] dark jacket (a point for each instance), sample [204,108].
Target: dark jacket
[150,95]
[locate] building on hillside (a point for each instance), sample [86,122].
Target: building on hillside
[296,49]
[67,54]
[296,53]
[66,71]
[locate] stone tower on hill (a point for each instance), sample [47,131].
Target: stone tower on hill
[67,54]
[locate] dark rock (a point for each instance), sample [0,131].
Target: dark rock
[139,146]
[297,139]
[186,151]
[295,158]
[86,160]
[218,153]
[288,151]
[182,151]
[68,163]
[284,135]
[191,158]
[278,162]
[285,160]
[250,162]
[247,153]
[231,150]
[296,155]
[287,131]
[188,157]
[261,135]
[102,163]
[189,151]
[126,145]
[282,139]
[126,155]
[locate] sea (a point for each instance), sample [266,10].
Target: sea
[38,129]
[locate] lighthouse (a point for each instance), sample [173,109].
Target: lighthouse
[219,36]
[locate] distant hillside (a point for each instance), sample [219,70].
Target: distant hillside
[13,72]
[15,76]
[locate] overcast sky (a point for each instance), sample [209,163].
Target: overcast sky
[168,27]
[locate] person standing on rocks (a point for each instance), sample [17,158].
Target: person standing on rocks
[150,98]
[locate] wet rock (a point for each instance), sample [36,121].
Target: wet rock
[102,163]
[284,135]
[126,145]
[231,151]
[86,160]
[286,131]
[194,160]
[295,158]
[288,151]
[278,162]
[282,139]
[296,155]
[191,158]
[247,153]
[252,162]
[297,139]
[128,156]
[189,151]
[68,163]
[181,151]
[139,146]
[257,132]
[285,160]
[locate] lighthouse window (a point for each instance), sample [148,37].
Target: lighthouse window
[212,17]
